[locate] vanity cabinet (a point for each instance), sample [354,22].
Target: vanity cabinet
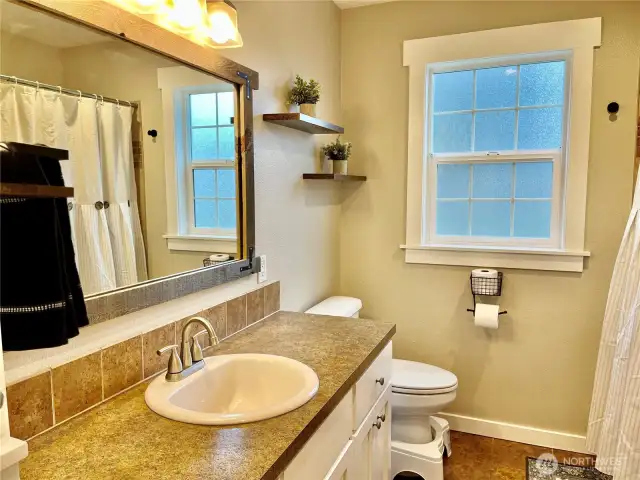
[354,442]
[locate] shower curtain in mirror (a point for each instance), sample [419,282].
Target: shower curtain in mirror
[104,215]
[614,420]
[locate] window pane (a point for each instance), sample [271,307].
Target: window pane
[204,183]
[534,180]
[226,107]
[203,109]
[496,87]
[227,213]
[491,219]
[453,91]
[542,84]
[492,180]
[540,128]
[452,133]
[226,143]
[495,131]
[452,218]
[532,219]
[226,183]
[205,213]
[203,144]
[453,181]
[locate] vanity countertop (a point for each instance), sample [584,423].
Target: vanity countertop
[124,439]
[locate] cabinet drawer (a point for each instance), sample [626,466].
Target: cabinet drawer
[372,383]
[320,452]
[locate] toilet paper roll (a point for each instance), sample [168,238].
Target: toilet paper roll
[219,258]
[484,273]
[486,316]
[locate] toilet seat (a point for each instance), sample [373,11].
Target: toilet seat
[415,378]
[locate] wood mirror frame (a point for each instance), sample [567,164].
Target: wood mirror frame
[109,18]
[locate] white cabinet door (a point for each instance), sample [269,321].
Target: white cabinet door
[360,467]
[381,444]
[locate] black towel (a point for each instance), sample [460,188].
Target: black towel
[41,300]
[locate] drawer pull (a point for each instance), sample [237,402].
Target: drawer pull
[380,381]
[378,424]
[382,417]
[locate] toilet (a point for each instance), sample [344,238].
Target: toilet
[418,439]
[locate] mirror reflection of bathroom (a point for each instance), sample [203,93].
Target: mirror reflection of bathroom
[130,120]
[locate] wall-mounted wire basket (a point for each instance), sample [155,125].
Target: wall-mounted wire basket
[486,286]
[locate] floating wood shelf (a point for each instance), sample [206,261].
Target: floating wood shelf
[34,191]
[302,122]
[334,176]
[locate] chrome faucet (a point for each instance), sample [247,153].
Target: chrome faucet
[191,359]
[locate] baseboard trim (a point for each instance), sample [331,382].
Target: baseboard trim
[517,433]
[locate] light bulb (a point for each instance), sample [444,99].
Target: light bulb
[221,27]
[186,14]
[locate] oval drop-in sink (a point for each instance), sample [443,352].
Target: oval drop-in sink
[233,389]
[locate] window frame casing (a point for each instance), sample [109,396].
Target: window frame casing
[579,37]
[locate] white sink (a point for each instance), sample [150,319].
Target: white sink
[233,389]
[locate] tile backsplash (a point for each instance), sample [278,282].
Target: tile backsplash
[47,399]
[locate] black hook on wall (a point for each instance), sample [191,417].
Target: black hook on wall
[613,107]
[152,133]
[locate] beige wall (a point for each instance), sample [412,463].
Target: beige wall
[537,369]
[25,58]
[296,221]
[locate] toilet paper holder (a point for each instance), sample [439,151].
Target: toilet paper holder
[491,287]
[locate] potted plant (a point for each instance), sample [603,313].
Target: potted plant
[338,153]
[306,94]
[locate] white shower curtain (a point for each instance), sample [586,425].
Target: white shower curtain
[614,420]
[104,213]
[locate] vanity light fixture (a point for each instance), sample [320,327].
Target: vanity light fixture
[207,22]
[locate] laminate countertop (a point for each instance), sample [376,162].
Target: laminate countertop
[124,439]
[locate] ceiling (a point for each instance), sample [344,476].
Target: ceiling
[47,29]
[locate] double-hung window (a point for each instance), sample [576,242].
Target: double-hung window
[210,188]
[496,141]
[498,146]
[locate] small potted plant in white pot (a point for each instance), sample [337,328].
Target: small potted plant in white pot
[338,153]
[306,94]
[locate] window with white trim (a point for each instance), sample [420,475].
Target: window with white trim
[209,150]
[498,146]
[497,131]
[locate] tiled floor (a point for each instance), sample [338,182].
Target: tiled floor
[482,458]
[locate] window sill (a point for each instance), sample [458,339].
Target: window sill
[202,243]
[501,257]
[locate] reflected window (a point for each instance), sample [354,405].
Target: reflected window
[210,149]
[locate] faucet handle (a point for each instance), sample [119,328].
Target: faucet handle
[196,349]
[175,365]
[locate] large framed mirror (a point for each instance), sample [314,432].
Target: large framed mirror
[158,131]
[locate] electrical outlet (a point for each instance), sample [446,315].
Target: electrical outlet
[262,274]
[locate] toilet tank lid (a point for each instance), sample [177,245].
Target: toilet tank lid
[337,307]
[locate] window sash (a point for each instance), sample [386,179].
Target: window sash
[191,166]
[430,201]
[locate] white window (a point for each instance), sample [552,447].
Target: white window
[498,146]
[200,161]
[496,142]
[210,161]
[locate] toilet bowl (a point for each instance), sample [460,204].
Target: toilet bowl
[419,390]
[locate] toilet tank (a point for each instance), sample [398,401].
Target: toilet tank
[338,307]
